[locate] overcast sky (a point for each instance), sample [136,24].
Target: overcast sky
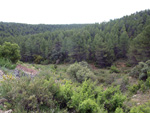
[68,11]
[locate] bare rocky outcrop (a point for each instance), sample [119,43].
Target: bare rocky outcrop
[24,71]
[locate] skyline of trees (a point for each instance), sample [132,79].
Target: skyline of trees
[101,43]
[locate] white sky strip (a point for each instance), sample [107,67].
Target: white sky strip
[68,11]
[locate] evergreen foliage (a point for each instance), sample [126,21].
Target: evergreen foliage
[141,71]
[10,51]
[80,71]
[101,44]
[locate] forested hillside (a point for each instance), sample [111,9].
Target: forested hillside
[102,43]
[16,29]
[80,68]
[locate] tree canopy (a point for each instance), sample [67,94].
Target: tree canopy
[101,43]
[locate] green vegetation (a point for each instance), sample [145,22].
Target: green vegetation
[80,71]
[141,109]
[141,71]
[7,63]
[42,94]
[56,90]
[95,68]
[102,44]
[9,55]
[114,69]
[10,51]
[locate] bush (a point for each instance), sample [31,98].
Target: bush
[10,51]
[84,92]
[119,110]
[7,63]
[45,62]
[37,59]
[84,73]
[147,83]
[79,72]
[85,64]
[124,83]
[143,86]
[30,94]
[141,71]
[111,98]
[88,106]
[134,88]
[73,69]
[114,69]
[65,94]
[128,64]
[110,79]
[145,108]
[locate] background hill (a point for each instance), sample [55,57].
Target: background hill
[101,43]
[121,47]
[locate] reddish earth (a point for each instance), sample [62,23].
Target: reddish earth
[121,64]
[27,70]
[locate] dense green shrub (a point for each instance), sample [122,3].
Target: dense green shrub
[79,72]
[141,70]
[119,110]
[85,64]
[111,98]
[10,51]
[45,62]
[84,92]
[84,73]
[145,108]
[147,83]
[141,85]
[37,59]
[114,69]
[89,106]
[42,94]
[7,63]
[65,94]
[31,94]
[73,69]
[134,88]
[124,83]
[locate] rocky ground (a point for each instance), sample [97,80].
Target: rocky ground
[19,71]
